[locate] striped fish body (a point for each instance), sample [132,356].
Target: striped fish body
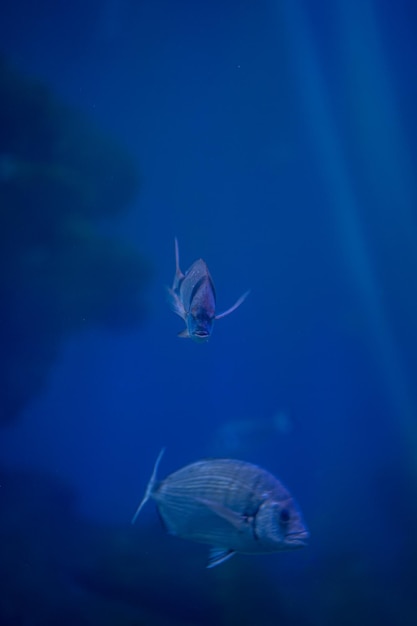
[232,505]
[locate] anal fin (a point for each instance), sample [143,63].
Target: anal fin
[218,555]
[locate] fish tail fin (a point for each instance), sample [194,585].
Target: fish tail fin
[150,487]
[234,307]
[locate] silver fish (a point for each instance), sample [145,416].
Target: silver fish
[232,505]
[192,297]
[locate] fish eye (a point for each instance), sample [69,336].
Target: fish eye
[284,516]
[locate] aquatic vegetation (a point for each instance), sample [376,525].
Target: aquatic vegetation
[58,175]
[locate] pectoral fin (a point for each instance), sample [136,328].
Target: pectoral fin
[234,307]
[223,511]
[184,334]
[176,304]
[218,555]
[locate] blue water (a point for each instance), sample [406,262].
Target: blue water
[276,140]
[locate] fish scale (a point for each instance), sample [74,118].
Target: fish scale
[198,274]
[230,479]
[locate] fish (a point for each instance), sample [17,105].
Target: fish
[193,297]
[234,506]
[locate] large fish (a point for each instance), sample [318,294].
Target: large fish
[192,297]
[232,505]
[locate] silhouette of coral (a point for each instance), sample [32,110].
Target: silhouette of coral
[58,174]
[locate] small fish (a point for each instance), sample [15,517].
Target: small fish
[192,297]
[232,505]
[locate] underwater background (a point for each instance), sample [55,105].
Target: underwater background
[277,140]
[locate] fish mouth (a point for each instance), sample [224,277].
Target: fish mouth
[297,539]
[200,336]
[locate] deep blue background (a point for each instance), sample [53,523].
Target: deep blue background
[277,140]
